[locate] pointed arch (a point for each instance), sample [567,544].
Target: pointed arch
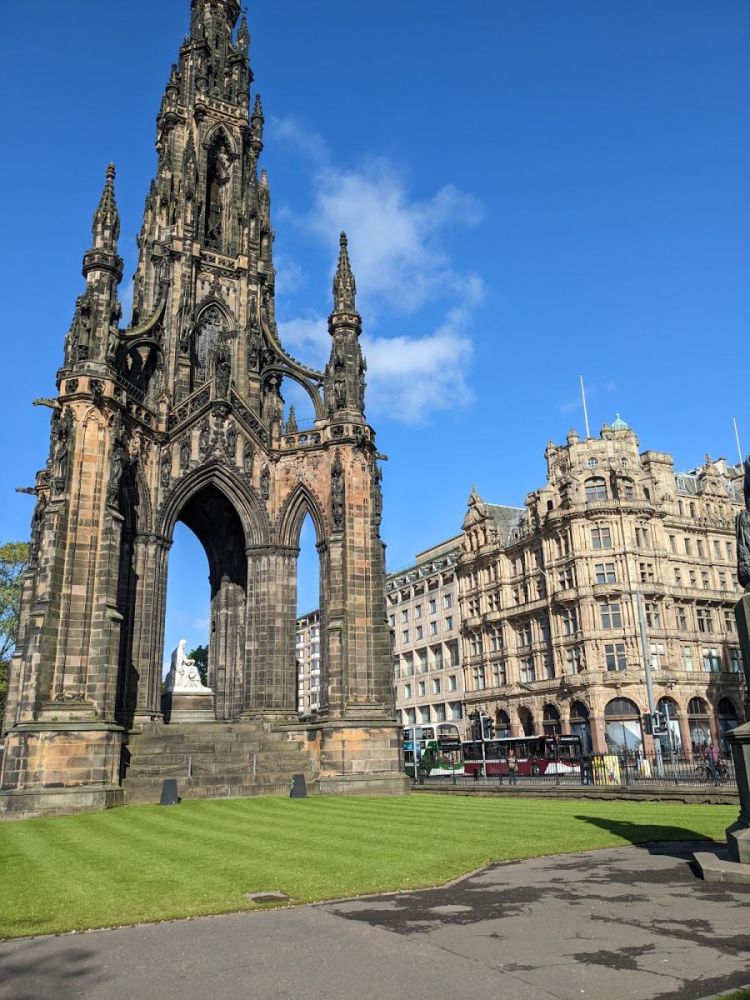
[300,502]
[241,495]
[217,135]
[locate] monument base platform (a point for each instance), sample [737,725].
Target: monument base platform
[718,866]
[187,707]
[24,802]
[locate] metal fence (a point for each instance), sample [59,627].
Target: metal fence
[596,770]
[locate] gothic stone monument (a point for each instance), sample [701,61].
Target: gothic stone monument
[178,417]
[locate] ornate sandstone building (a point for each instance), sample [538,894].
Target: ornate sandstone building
[179,417]
[550,598]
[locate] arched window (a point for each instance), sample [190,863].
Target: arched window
[551,720]
[671,712]
[527,721]
[727,718]
[623,731]
[580,725]
[698,724]
[502,723]
[596,488]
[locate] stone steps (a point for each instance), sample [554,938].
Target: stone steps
[214,760]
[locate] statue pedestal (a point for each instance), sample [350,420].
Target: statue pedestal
[187,706]
[738,834]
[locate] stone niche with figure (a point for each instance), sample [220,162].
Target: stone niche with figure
[179,416]
[186,698]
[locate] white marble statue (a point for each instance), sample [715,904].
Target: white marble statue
[184,676]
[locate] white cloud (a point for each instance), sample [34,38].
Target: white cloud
[398,255]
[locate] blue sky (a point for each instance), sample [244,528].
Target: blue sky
[532,189]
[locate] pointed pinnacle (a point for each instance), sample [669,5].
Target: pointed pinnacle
[344,285]
[258,107]
[106,227]
[264,178]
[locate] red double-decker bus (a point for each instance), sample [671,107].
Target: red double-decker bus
[535,755]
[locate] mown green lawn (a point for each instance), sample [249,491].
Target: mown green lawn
[146,863]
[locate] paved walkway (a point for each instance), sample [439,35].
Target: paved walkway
[619,924]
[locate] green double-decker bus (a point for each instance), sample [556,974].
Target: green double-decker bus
[432,750]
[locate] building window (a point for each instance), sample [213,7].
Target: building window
[498,675]
[447,601]
[601,538]
[596,488]
[573,664]
[407,691]
[677,576]
[711,660]
[476,645]
[722,580]
[656,649]
[418,632]
[705,620]
[544,629]
[646,572]
[422,661]
[418,612]
[480,680]
[717,549]
[528,670]
[392,621]
[705,580]
[605,573]
[701,548]
[436,685]
[437,657]
[449,623]
[566,578]
[548,666]
[688,547]
[457,712]
[421,689]
[433,606]
[452,683]
[405,615]
[730,554]
[642,539]
[473,607]
[426,714]
[653,615]
[673,543]
[614,655]
[405,635]
[439,713]
[492,601]
[569,620]
[611,616]
[687,659]
[411,717]
[692,579]
[628,489]
[524,634]
[680,614]
[496,639]
[735,660]
[592,462]
[729,621]
[433,628]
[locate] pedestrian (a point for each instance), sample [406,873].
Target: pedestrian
[512,767]
[712,763]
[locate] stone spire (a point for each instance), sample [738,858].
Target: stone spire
[344,285]
[106,226]
[256,128]
[210,13]
[345,373]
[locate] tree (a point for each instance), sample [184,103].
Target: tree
[14,558]
[200,655]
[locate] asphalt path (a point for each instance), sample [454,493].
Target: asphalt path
[620,924]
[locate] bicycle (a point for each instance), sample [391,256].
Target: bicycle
[703,773]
